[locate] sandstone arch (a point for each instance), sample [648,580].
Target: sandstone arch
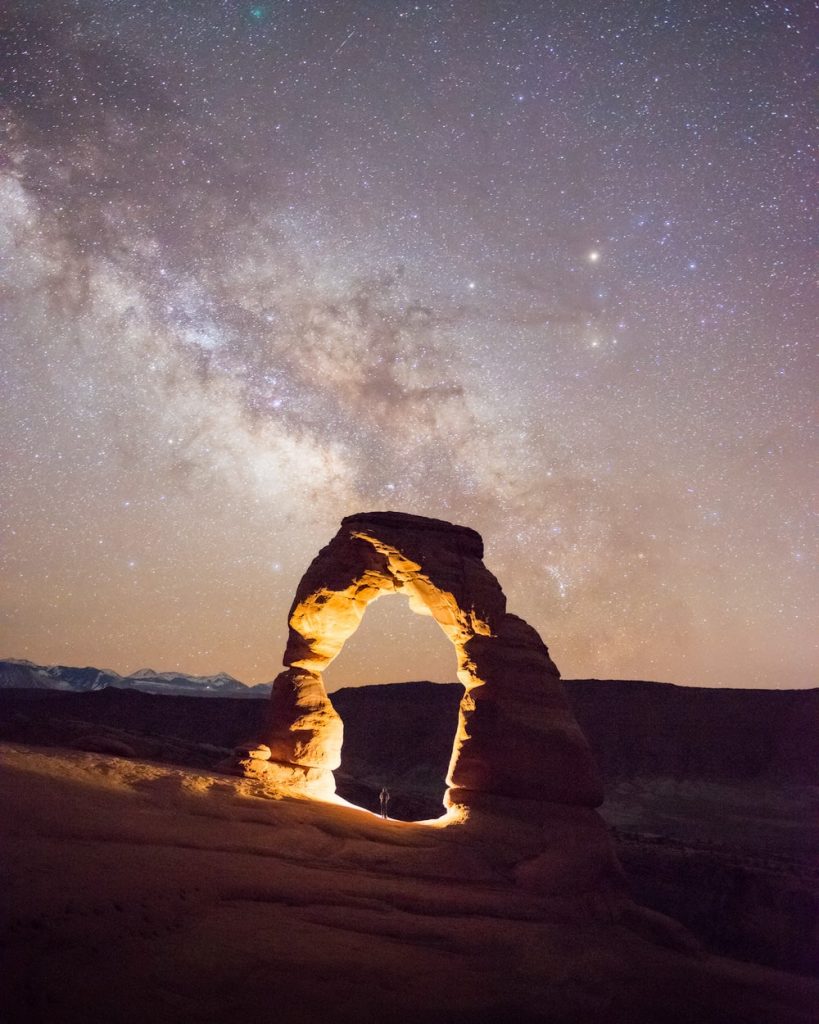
[517,747]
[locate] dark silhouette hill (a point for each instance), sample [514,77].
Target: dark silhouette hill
[634,729]
[643,728]
[405,730]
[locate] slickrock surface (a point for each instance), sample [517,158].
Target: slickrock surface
[137,892]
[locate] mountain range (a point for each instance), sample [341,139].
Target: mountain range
[19,674]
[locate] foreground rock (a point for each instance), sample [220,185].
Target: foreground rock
[137,892]
[521,773]
[729,848]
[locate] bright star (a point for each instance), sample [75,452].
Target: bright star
[594,256]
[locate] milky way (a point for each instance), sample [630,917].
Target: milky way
[537,268]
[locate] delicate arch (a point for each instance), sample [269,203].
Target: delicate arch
[516,737]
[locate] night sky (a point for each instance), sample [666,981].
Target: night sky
[542,269]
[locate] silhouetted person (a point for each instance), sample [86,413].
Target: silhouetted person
[384,798]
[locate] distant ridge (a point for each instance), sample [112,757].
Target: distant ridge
[19,674]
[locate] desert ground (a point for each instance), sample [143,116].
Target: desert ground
[142,891]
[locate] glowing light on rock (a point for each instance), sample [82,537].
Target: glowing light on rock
[516,737]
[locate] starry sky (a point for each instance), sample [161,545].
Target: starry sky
[539,268]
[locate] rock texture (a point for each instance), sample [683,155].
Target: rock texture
[136,892]
[518,754]
[713,793]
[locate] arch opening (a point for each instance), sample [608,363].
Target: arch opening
[393,644]
[398,736]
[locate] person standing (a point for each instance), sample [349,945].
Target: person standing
[384,798]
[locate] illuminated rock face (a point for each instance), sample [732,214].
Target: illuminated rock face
[517,744]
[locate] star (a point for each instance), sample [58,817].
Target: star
[267,266]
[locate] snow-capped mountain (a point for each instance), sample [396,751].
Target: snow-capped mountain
[220,685]
[19,674]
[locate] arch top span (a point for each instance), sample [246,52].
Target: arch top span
[516,739]
[458,538]
[437,565]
